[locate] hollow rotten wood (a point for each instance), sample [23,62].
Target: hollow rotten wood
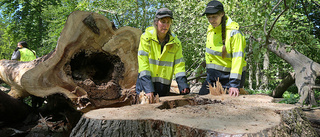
[94,65]
[246,115]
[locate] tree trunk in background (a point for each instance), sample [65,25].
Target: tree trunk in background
[257,75]
[94,65]
[306,70]
[250,64]
[283,86]
[277,73]
[265,80]
[197,116]
[250,80]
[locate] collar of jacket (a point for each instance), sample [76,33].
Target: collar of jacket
[230,25]
[151,33]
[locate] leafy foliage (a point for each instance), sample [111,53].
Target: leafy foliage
[38,22]
[290,98]
[191,28]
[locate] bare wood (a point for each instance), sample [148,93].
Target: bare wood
[246,115]
[92,63]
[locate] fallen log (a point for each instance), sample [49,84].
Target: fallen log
[12,110]
[94,65]
[246,115]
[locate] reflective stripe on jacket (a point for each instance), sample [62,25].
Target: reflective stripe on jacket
[27,55]
[235,43]
[155,66]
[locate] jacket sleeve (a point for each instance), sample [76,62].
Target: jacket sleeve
[144,67]
[179,69]
[238,59]
[15,55]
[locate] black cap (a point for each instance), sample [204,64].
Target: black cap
[213,7]
[164,12]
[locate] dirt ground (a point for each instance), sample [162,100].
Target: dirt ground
[232,115]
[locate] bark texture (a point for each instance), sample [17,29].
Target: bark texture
[283,86]
[306,70]
[93,65]
[247,115]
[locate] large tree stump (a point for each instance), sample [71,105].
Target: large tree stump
[246,115]
[92,66]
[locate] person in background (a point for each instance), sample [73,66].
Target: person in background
[160,57]
[225,51]
[23,53]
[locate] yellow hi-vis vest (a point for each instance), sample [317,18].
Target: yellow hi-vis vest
[235,43]
[160,66]
[27,55]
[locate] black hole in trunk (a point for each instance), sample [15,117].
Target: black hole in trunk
[96,66]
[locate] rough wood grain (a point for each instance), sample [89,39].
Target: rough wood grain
[91,66]
[246,115]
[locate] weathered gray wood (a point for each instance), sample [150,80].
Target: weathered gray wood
[306,70]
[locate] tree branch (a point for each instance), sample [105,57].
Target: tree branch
[275,21]
[265,24]
[113,12]
[286,8]
[109,11]
[305,10]
[251,25]
[315,3]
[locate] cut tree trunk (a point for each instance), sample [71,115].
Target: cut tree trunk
[94,65]
[306,70]
[246,115]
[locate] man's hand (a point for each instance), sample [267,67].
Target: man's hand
[233,91]
[185,91]
[150,95]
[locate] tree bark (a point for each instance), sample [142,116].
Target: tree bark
[247,115]
[258,71]
[250,64]
[94,65]
[265,79]
[306,70]
[283,86]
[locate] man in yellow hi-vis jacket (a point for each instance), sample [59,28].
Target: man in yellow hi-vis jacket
[225,51]
[22,53]
[160,57]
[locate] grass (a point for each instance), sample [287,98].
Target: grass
[290,98]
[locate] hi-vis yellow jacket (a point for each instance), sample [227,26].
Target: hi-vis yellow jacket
[27,55]
[235,43]
[157,67]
